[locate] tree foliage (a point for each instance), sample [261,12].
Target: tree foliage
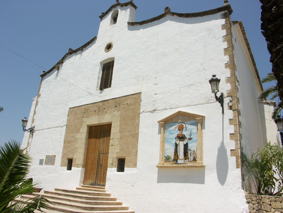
[14,166]
[270,91]
[265,168]
[272,30]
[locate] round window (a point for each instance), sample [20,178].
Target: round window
[108,47]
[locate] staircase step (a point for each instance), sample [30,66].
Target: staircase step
[91,189]
[88,207]
[84,199]
[84,192]
[81,201]
[80,196]
[94,187]
[68,210]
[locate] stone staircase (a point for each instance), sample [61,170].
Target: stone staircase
[84,199]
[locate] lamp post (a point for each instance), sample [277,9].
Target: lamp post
[214,83]
[24,124]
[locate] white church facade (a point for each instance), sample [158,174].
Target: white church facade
[132,110]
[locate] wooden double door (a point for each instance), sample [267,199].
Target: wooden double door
[97,155]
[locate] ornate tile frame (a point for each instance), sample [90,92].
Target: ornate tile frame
[179,117]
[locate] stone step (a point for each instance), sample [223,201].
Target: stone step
[88,207]
[80,196]
[84,199]
[91,189]
[94,187]
[81,201]
[68,210]
[84,192]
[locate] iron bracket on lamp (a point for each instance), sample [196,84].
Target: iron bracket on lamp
[214,83]
[24,124]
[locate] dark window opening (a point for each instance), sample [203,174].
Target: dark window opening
[69,164]
[114,17]
[106,77]
[121,165]
[108,47]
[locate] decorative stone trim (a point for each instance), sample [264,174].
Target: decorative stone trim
[264,203]
[233,92]
[184,15]
[122,113]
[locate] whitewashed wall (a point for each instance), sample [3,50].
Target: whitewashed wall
[170,62]
[268,125]
[257,125]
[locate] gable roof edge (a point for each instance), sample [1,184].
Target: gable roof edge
[70,52]
[243,31]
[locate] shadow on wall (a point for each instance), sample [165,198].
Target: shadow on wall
[222,159]
[222,164]
[192,175]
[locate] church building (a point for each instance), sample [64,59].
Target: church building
[144,120]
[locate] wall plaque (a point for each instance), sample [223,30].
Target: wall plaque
[41,161]
[50,159]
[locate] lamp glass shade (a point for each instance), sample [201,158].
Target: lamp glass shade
[24,122]
[214,83]
[279,122]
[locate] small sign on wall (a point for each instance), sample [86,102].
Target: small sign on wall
[41,161]
[50,159]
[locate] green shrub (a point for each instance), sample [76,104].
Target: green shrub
[265,167]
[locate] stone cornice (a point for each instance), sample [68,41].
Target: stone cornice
[116,5]
[70,52]
[184,15]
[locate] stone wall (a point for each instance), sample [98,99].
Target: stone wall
[122,113]
[264,203]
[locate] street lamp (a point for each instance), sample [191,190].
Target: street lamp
[24,124]
[214,83]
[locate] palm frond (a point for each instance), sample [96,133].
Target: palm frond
[276,112]
[270,77]
[274,96]
[267,92]
[14,167]
[36,203]
[251,168]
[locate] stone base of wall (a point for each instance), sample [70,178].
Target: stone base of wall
[264,203]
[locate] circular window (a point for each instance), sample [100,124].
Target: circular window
[108,47]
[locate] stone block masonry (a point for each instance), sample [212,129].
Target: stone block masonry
[122,113]
[264,203]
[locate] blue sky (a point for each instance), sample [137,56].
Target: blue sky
[43,31]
